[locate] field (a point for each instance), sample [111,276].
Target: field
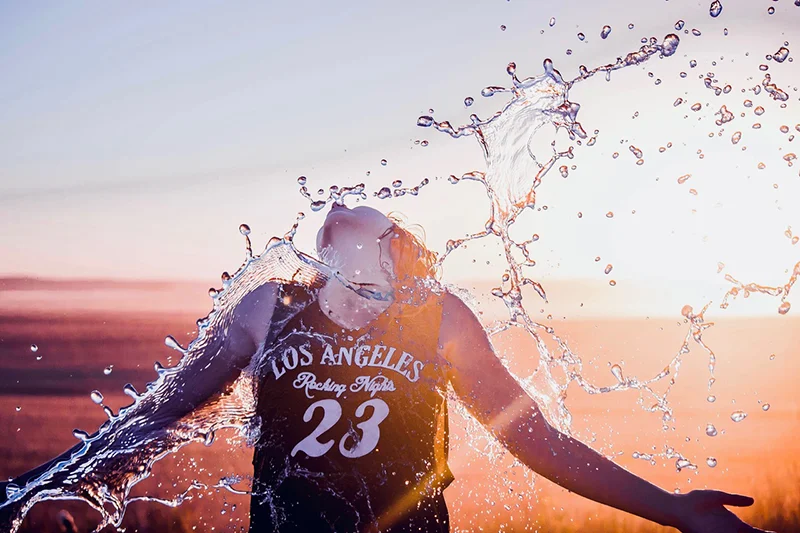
[80,329]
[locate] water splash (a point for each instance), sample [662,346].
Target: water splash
[125,448]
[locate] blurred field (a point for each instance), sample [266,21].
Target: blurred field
[82,328]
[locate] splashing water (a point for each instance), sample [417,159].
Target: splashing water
[125,448]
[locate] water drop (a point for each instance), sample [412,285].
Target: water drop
[34,348]
[608,268]
[18,408]
[670,45]
[107,370]
[617,372]
[605,32]
[384,162]
[80,434]
[581,36]
[781,55]
[736,137]
[552,21]
[630,26]
[302,180]
[771,11]
[696,32]
[613,283]
[426,121]
[130,390]
[765,407]
[738,416]
[468,101]
[715,9]
[711,398]
[610,214]
[244,229]
[170,342]
[711,462]
[784,308]
[697,106]
[679,25]
[212,292]
[711,431]
[96,397]
[502,27]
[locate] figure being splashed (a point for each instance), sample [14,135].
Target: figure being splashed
[350,372]
[337,371]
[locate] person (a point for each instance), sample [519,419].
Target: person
[351,403]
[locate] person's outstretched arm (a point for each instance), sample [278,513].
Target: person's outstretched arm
[495,398]
[207,370]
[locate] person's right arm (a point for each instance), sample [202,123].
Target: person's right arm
[212,365]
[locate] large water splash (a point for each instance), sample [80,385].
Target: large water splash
[123,451]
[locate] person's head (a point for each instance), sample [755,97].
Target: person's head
[369,247]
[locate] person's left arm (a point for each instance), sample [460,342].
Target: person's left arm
[497,400]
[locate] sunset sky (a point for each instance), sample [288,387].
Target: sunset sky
[135,139]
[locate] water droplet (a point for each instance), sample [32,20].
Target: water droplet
[771,11]
[758,111]
[617,372]
[608,268]
[581,36]
[80,434]
[711,398]
[610,214]
[34,348]
[552,21]
[711,431]
[424,121]
[502,27]
[736,137]
[696,32]
[18,408]
[96,397]
[765,407]
[630,26]
[715,9]
[212,292]
[697,106]
[670,45]
[693,63]
[679,25]
[130,390]
[384,162]
[468,101]
[613,283]
[784,308]
[781,55]
[244,229]
[302,180]
[107,370]
[738,416]
[605,32]
[711,462]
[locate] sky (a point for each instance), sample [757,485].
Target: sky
[135,139]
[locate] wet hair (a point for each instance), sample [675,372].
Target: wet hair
[413,262]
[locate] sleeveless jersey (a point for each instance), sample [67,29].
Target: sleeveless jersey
[353,424]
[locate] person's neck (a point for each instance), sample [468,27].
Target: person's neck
[341,301]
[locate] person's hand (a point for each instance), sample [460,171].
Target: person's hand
[703,511]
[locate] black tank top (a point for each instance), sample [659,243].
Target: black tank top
[353,424]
